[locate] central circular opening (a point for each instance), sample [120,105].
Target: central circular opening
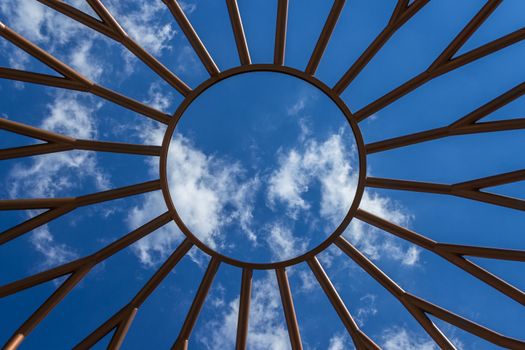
[262,167]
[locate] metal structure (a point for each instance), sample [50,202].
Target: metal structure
[419,308]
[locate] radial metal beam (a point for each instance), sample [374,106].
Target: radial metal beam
[123,318]
[360,339]
[112,29]
[402,13]
[244,309]
[322,42]
[394,289]
[78,81]
[289,310]
[238,32]
[77,270]
[60,143]
[444,67]
[190,33]
[466,125]
[469,189]
[67,205]
[450,255]
[280,32]
[196,305]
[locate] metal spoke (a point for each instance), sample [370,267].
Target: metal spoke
[469,189]
[244,309]
[238,32]
[322,42]
[193,38]
[455,258]
[110,28]
[79,81]
[60,143]
[441,69]
[289,310]
[466,125]
[280,32]
[394,289]
[77,269]
[465,324]
[402,13]
[196,305]
[67,205]
[123,318]
[360,339]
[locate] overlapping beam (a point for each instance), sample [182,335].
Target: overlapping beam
[60,206]
[76,80]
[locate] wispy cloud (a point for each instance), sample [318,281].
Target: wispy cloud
[266,325]
[400,339]
[57,174]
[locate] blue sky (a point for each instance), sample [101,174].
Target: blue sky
[263,175]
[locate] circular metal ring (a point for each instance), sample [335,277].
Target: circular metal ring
[276,69]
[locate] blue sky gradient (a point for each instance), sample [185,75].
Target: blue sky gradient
[245,151]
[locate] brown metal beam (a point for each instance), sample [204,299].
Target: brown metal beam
[453,257]
[193,38]
[280,32]
[244,309]
[80,82]
[326,33]
[123,317]
[60,143]
[466,325]
[238,32]
[466,125]
[391,286]
[446,67]
[90,260]
[289,310]
[465,33]
[360,339]
[196,305]
[68,204]
[110,28]
[402,13]
[469,189]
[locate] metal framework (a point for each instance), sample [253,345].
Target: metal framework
[419,308]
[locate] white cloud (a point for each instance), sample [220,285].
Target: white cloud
[283,243]
[367,309]
[266,325]
[340,341]
[329,163]
[141,20]
[54,253]
[209,194]
[400,339]
[56,174]
[82,59]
